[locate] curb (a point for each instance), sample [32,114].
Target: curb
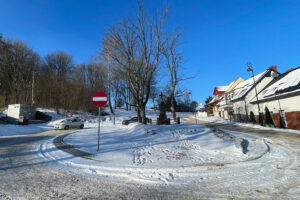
[220,133]
[61,145]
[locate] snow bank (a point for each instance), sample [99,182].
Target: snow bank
[251,145]
[221,121]
[156,146]
[152,154]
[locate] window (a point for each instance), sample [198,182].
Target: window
[76,120]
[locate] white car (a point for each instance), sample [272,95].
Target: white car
[69,123]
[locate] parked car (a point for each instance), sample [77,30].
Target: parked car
[69,123]
[134,119]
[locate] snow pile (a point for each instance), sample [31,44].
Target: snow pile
[251,145]
[222,121]
[156,146]
[150,153]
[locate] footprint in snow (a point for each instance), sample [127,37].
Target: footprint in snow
[171,175]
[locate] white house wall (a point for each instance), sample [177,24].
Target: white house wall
[244,104]
[289,104]
[291,108]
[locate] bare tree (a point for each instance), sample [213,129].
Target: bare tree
[17,62]
[125,94]
[58,82]
[109,84]
[174,59]
[136,46]
[55,81]
[153,95]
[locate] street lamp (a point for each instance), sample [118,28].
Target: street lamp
[250,69]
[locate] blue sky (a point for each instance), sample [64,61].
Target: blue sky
[219,36]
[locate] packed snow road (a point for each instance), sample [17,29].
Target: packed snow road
[277,175]
[26,175]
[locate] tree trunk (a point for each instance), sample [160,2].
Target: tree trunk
[16,95]
[130,102]
[6,98]
[109,103]
[127,99]
[115,97]
[173,107]
[138,112]
[143,114]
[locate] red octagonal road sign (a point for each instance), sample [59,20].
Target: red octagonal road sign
[99,99]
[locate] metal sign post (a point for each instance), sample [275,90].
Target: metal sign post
[98,130]
[195,113]
[99,100]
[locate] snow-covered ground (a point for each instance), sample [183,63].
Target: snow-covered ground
[222,121]
[185,154]
[190,156]
[11,129]
[150,146]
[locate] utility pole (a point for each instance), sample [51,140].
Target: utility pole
[108,79]
[99,113]
[32,89]
[109,100]
[190,95]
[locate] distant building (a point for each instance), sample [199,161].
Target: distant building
[225,104]
[219,92]
[280,100]
[16,112]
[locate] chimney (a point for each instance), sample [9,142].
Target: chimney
[288,70]
[273,67]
